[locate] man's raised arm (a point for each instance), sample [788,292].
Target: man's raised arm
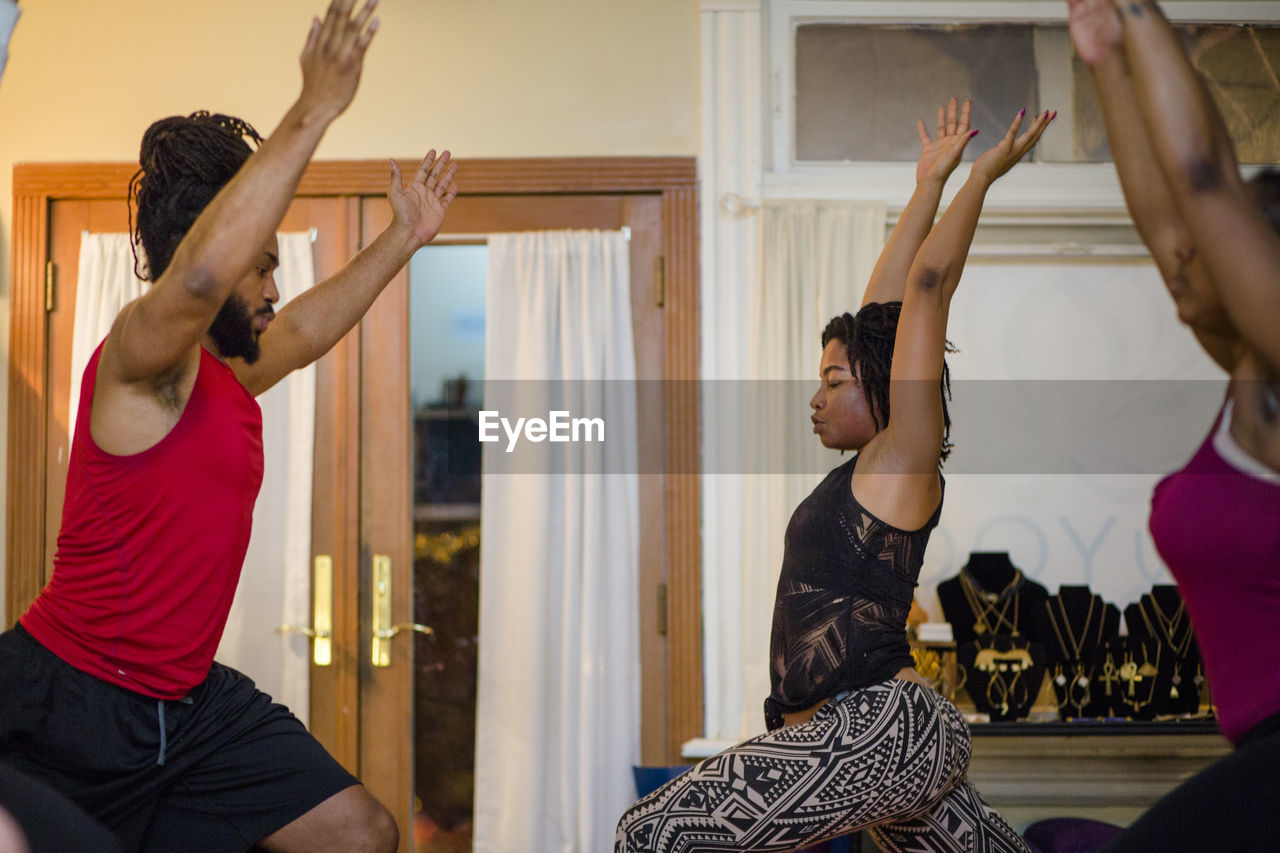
[158,332]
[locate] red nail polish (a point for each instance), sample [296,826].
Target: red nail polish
[1022,112]
[972,134]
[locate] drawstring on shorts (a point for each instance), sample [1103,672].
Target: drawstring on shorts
[164,729]
[163,734]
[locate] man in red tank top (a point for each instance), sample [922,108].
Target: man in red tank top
[113,697]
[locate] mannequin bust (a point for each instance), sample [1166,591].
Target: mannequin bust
[1161,615]
[1076,624]
[991,596]
[1136,674]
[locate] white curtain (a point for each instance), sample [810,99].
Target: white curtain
[275,585]
[558,706]
[815,259]
[105,284]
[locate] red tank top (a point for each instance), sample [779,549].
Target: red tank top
[151,544]
[1218,530]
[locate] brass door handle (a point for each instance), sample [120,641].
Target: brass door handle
[388,633]
[321,612]
[383,630]
[302,629]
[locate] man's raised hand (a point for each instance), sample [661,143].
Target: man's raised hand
[420,204]
[333,56]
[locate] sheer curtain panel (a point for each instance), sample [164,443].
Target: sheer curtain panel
[558,708]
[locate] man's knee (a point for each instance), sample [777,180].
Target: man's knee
[378,832]
[388,832]
[351,821]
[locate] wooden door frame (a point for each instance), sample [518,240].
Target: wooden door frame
[35,186]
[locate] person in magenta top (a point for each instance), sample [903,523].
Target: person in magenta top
[1216,239]
[112,694]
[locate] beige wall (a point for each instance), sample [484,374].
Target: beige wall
[486,78]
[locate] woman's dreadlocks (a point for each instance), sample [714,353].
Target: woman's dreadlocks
[868,342]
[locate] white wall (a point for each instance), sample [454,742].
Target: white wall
[500,78]
[1107,393]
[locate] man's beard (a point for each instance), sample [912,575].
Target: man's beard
[232,330]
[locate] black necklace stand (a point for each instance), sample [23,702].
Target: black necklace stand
[991,596]
[1136,673]
[1161,616]
[1075,625]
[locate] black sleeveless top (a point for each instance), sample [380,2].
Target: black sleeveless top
[840,618]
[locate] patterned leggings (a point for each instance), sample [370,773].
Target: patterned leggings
[890,759]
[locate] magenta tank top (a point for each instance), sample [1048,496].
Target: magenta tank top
[1218,530]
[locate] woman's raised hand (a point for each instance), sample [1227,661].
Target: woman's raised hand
[940,155]
[1008,151]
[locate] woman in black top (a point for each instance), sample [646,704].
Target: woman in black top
[857,738]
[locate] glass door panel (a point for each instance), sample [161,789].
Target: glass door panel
[421,369]
[446,371]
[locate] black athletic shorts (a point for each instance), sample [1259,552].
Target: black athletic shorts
[215,771]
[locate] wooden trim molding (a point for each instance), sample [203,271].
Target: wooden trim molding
[370,177]
[24,527]
[684,540]
[514,177]
[36,185]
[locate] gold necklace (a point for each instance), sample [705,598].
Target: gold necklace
[1169,624]
[1005,695]
[1075,651]
[1080,679]
[994,663]
[983,605]
[1110,672]
[1066,691]
[1060,679]
[1131,673]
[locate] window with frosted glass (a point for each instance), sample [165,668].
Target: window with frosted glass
[860,88]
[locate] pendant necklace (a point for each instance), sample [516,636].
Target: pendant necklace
[987,619]
[1076,648]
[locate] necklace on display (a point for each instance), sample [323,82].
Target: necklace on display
[1074,689]
[1078,686]
[1168,626]
[1134,674]
[1072,649]
[1110,672]
[1005,695]
[983,604]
